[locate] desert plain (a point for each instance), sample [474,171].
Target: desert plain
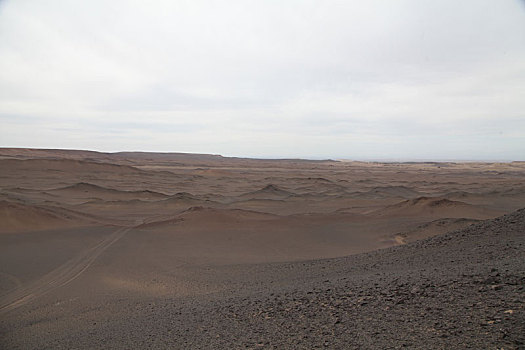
[173,250]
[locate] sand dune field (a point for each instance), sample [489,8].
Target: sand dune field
[89,238]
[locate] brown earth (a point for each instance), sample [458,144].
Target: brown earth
[80,229]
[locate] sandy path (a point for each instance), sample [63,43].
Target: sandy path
[59,276]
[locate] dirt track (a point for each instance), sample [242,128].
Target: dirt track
[60,276]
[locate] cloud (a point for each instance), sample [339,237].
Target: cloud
[261,78]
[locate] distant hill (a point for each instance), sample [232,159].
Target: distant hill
[142,158]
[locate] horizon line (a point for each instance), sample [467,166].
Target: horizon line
[334,159]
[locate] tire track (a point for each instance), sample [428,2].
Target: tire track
[13,279]
[60,276]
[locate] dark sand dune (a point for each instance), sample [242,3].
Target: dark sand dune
[504,192]
[178,200]
[268,192]
[183,201]
[88,190]
[433,228]
[388,191]
[273,206]
[199,215]
[321,188]
[461,195]
[501,199]
[231,214]
[441,207]
[202,235]
[307,203]
[100,204]
[510,192]
[16,217]
[184,197]
[12,197]
[138,210]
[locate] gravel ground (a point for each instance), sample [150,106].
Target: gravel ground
[465,289]
[461,290]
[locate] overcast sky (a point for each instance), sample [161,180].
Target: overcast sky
[313,79]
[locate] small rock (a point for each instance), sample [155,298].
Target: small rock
[415,290]
[496,286]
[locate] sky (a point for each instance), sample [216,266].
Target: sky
[411,80]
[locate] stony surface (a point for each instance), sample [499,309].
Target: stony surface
[465,289]
[461,290]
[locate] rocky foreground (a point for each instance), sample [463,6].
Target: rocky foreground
[461,290]
[464,289]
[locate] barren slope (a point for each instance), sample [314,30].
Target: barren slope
[460,290]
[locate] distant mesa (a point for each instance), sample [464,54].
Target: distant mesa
[73,166]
